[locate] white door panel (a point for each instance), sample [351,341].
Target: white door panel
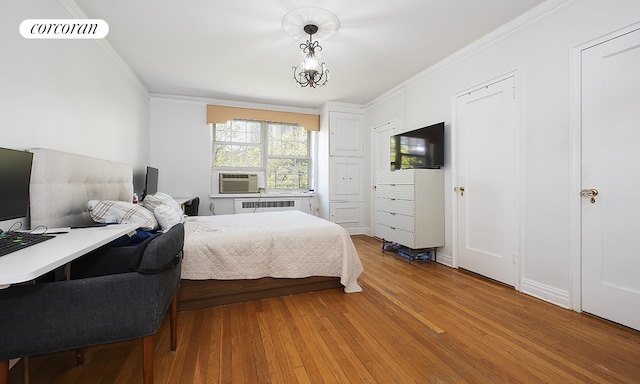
[346,180]
[486,235]
[610,163]
[346,132]
[381,158]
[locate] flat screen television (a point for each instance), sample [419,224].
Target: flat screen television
[15,176]
[150,182]
[420,148]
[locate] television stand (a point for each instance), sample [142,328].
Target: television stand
[410,207]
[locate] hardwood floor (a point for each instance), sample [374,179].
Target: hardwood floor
[418,323]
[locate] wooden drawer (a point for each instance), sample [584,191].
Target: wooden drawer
[396,221]
[403,207]
[404,176]
[399,236]
[396,191]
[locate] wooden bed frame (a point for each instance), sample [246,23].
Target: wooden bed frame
[70,180]
[197,294]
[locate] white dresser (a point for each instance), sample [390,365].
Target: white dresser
[410,207]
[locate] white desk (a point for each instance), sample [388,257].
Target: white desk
[36,260]
[182,201]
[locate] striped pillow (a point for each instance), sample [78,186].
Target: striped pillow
[121,212]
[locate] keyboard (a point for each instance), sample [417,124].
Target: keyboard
[15,241]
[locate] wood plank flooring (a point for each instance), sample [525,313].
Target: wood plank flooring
[413,323]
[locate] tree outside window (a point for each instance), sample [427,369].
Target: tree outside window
[237,144]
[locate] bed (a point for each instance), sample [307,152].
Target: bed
[282,245]
[227,258]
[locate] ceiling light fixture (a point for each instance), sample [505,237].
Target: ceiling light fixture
[310,73]
[310,21]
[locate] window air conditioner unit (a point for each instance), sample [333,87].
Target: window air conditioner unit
[238,183]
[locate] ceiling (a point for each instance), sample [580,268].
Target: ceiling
[236,50]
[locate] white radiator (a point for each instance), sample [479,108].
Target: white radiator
[266,204]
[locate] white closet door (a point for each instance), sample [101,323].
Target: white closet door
[610,166]
[381,162]
[346,134]
[486,181]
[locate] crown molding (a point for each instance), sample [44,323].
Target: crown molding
[78,13]
[530,18]
[238,104]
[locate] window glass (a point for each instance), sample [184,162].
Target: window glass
[237,144]
[280,150]
[288,140]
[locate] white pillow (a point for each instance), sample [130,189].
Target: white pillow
[166,216]
[151,202]
[121,212]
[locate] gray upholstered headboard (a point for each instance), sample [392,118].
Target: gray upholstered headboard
[62,183]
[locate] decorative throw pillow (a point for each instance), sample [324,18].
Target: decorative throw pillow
[151,202]
[121,212]
[166,216]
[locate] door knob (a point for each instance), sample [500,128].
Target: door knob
[591,193]
[459,189]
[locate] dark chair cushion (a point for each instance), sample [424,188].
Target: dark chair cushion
[191,209]
[50,317]
[111,260]
[153,256]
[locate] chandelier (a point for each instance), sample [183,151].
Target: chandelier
[310,21]
[310,73]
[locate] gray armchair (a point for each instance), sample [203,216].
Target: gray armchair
[124,298]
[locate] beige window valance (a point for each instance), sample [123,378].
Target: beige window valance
[217,114]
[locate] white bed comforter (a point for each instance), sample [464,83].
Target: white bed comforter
[288,244]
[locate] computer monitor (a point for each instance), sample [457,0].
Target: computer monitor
[15,176]
[150,182]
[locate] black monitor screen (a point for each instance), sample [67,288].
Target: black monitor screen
[15,175]
[151,181]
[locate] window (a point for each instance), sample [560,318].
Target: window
[238,144]
[280,150]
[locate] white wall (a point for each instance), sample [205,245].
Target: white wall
[540,51]
[180,148]
[70,95]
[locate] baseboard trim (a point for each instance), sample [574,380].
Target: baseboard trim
[547,293]
[445,259]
